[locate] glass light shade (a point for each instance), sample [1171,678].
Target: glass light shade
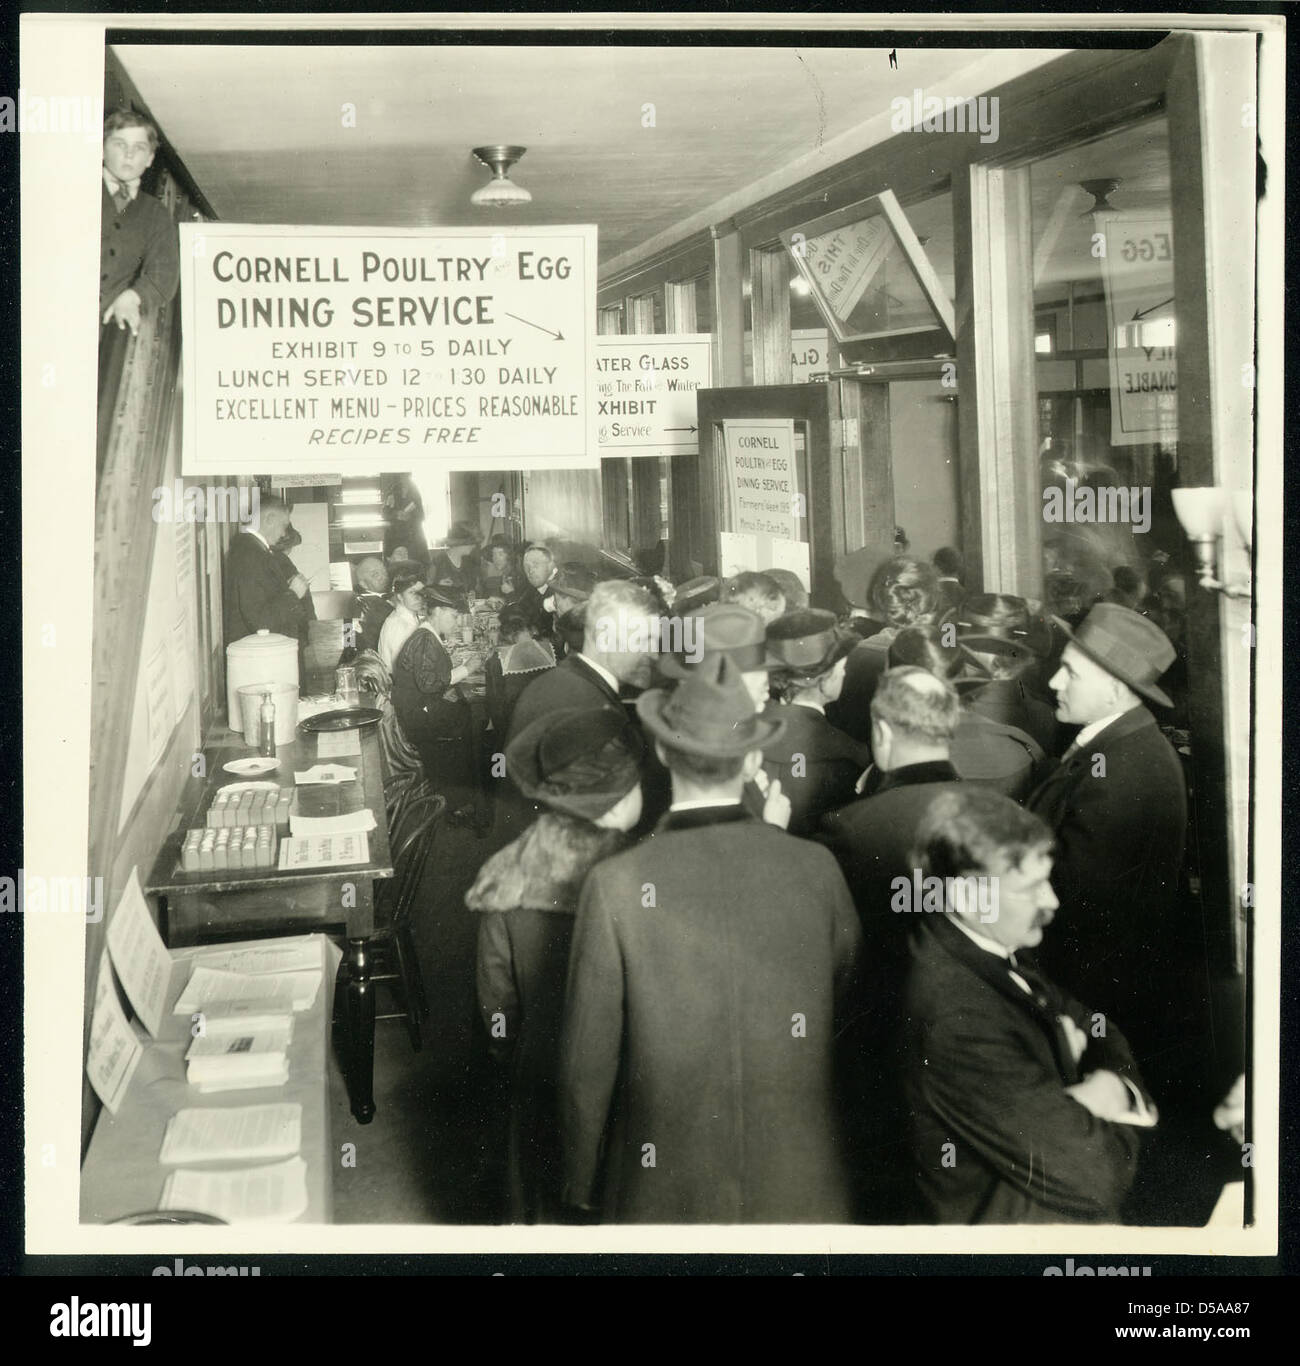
[1200,512]
[500,193]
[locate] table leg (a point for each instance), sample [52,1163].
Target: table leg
[359,1007]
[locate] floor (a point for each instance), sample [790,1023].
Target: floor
[433,1154]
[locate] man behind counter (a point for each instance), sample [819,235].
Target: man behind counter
[257,597]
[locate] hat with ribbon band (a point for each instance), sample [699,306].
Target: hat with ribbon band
[710,713]
[1126,644]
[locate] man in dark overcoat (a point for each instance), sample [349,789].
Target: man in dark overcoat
[1117,805]
[707,967]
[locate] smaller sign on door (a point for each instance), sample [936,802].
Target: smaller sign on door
[766,511]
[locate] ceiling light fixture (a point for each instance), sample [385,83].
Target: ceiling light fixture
[500,192]
[1101,190]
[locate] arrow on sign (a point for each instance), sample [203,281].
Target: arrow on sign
[681,429]
[559,336]
[1140,313]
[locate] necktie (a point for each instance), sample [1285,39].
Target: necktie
[121,195]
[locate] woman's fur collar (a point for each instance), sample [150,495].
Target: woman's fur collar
[545,867]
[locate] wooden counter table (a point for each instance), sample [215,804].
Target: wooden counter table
[249,903]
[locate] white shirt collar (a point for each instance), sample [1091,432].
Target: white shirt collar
[111,183]
[600,669]
[1089,731]
[257,536]
[809,703]
[982,941]
[696,803]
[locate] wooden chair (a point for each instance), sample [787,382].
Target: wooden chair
[394,959]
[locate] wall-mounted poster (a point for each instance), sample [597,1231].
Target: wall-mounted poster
[365,349]
[645,393]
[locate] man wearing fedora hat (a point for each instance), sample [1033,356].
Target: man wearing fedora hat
[817,764]
[1117,805]
[708,968]
[727,628]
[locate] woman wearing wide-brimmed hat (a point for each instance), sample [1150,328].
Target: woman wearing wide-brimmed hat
[583,767]
[1010,643]
[454,566]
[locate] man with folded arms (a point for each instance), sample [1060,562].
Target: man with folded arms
[1023,1110]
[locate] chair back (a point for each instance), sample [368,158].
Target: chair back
[411,841]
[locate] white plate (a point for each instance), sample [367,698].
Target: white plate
[250,768]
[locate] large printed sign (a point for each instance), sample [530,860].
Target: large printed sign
[1137,270]
[358,350]
[645,393]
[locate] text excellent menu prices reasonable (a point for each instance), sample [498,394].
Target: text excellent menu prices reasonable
[361,350]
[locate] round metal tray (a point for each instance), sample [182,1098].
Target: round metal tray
[352,718]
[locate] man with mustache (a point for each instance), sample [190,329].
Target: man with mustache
[1024,1110]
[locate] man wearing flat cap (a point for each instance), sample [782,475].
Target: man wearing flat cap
[1118,808]
[708,968]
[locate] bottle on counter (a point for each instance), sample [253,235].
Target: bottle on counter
[266,728]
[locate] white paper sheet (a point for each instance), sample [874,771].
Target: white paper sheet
[333,774]
[274,1194]
[273,956]
[337,744]
[252,1132]
[739,552]
[115,1049]
[139,955]
[210,990]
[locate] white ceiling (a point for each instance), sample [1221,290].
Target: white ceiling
[263,128]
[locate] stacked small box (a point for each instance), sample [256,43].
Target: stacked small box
[232,846]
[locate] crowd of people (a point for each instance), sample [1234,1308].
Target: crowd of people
[873,915]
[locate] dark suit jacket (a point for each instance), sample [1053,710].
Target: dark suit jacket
[706,971]
[871,839]
[1117,940]
[137,250]
[817,764]
[851,711]
[373,610]
[530,600]
[997,755]
[986,1071]
[256,595]
[572,683]
[1010,701]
